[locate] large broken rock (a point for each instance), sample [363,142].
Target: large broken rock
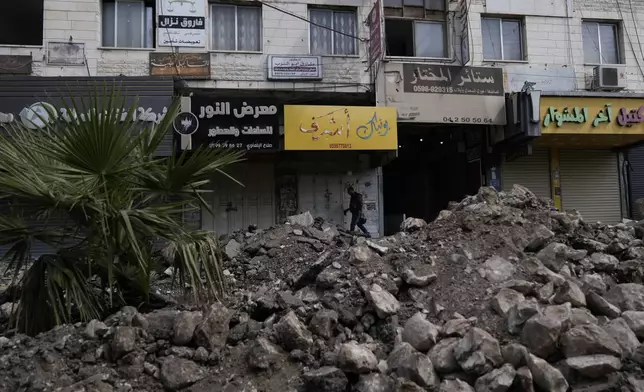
[520,313]
[455,385]
[601,307]
[545,376]
[442,356]
[178,373]
[263,354]
[325,379]
[212,331]
[292,334]
[305,219]
[619,330]
[419,369]
[497,269]
[635,321]
[478,352]
[420,333]
[184,327]
[232,249]
[603,262]
[412,224]
[356,358]
[539,238]
[553,256]
[593,366]
[359,254]
[374,382]
[626,296]
[541,332]
[383,302]
[588,339]
[498,380]
[505,300]
[123,341]
[570,292]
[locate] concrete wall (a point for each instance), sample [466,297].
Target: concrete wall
[283,34]
[553,37]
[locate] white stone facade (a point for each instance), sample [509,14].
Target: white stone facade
[553,37]
[282,34]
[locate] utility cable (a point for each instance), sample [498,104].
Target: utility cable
[310,22]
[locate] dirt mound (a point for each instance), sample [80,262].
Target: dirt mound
[500,293]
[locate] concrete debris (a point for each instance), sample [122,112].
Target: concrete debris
[501,293]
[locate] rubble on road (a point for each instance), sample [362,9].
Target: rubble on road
[500,293]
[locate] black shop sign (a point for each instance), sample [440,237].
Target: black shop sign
[235,123]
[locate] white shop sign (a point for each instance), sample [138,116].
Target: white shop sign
[181,23]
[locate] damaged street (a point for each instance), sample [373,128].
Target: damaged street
[500,293]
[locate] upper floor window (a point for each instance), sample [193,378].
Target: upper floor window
[339,36]
[416,28]
[22,22]
[128,23]
[502,39]
[601,43]
[236,28]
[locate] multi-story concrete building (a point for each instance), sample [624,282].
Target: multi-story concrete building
[566,140]
[486,92]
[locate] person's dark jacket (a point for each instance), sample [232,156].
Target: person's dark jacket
[355,203]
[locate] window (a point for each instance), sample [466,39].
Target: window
[236,28]
[21,22]
[128,24]
[601,45]
[340,35]
[502,39]
[415,28]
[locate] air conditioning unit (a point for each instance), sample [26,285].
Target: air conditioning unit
[609,77]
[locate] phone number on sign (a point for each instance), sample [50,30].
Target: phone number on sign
[468,120]
[433,89]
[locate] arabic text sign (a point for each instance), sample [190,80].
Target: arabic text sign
[340,128]
[292,67]
[182,23]
[186,65]
[441,79]
[375,34]
[566,115]
[242,124]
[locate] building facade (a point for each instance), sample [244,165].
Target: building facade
[233,56]
[413,103]
[572,84]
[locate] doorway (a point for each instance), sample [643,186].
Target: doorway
[435,165]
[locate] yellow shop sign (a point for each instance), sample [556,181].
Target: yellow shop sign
[566,115]
[340,128]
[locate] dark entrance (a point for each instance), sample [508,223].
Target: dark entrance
[435,165]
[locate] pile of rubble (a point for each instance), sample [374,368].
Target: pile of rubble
[500,293]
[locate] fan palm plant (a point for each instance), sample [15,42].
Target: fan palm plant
[117,199]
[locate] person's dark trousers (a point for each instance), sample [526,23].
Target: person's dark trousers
[355,217]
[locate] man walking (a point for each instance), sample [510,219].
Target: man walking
[357,215]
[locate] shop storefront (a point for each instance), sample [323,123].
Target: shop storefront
[249,124]
[32,99]
[444,116]
[579,153]
[332,148]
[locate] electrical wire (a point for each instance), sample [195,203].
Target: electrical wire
[310,22]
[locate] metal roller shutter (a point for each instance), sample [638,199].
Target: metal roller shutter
[636,178]
[531,171]
[590,185]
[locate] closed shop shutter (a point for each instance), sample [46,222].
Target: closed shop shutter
[590,185]
[325,196]
[236,207]
[636,179]
[532,171]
